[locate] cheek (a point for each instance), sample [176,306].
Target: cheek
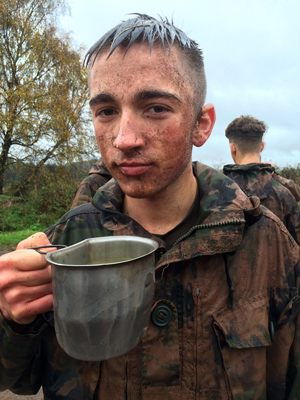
[176,147]
[180,137]
[104,139]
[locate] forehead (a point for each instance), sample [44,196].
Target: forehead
[138,69]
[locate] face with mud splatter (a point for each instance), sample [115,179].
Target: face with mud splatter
[144,119]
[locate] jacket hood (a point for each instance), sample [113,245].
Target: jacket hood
[254,179]
[100,168]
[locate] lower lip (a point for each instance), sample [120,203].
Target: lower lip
[131,170]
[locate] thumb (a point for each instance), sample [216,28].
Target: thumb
[38,239]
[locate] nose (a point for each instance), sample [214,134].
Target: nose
[129,133]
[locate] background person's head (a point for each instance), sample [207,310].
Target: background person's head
[157,32]
[245,135]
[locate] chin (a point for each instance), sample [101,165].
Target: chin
[137,191]
[137,194]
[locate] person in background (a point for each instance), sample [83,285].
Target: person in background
[245,135]
[98,176]
[232,326]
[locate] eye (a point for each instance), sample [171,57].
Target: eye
[157,111]
[105,113]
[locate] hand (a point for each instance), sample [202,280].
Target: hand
[25,282]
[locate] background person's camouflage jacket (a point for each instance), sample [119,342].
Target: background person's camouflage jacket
[289,184]
[98,176]
[257,180]
[230,283]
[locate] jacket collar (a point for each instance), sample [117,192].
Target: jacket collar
[254,179]
[248,167]
[224,209]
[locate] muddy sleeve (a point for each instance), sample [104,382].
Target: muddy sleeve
[20,359]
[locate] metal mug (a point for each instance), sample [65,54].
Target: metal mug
[103,291]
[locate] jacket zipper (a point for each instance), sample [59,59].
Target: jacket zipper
[209,225]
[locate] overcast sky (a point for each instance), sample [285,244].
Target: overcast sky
[251,54]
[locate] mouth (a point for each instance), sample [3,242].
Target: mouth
[133,168]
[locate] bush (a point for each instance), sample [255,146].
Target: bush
[52,192]
[291,173]
[47,198]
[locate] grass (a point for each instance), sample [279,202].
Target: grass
[9,240]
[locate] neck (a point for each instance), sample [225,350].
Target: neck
[247,159]
[163,212]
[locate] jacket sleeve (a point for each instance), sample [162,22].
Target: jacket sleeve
[289,184]
[20,358]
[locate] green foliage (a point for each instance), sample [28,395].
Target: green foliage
[290,172]
[52,193]
[45,200]
[9,240]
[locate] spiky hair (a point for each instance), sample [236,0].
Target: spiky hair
[160,31]
[141,28]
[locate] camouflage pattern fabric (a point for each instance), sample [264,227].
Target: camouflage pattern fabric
[289,184]
[98,176]
[231,285]
[257,180]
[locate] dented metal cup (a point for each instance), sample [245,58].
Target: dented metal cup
[103,292]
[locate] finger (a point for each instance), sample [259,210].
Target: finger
[23,260]
[11,278]
[26,313]
[19,295]
[38,239]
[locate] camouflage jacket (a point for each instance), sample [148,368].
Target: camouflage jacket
[289,184]
[257,180]
[232,285]
[98,176]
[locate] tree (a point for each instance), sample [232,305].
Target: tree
[43,89]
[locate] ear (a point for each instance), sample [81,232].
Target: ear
[204,125]
[263,145]
[233,150]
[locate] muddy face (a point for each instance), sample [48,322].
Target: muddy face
[144,120]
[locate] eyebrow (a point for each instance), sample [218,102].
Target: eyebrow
[140,96]
[101,98]
[155,94]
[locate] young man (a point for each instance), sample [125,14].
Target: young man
[255,178]
[227,270]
